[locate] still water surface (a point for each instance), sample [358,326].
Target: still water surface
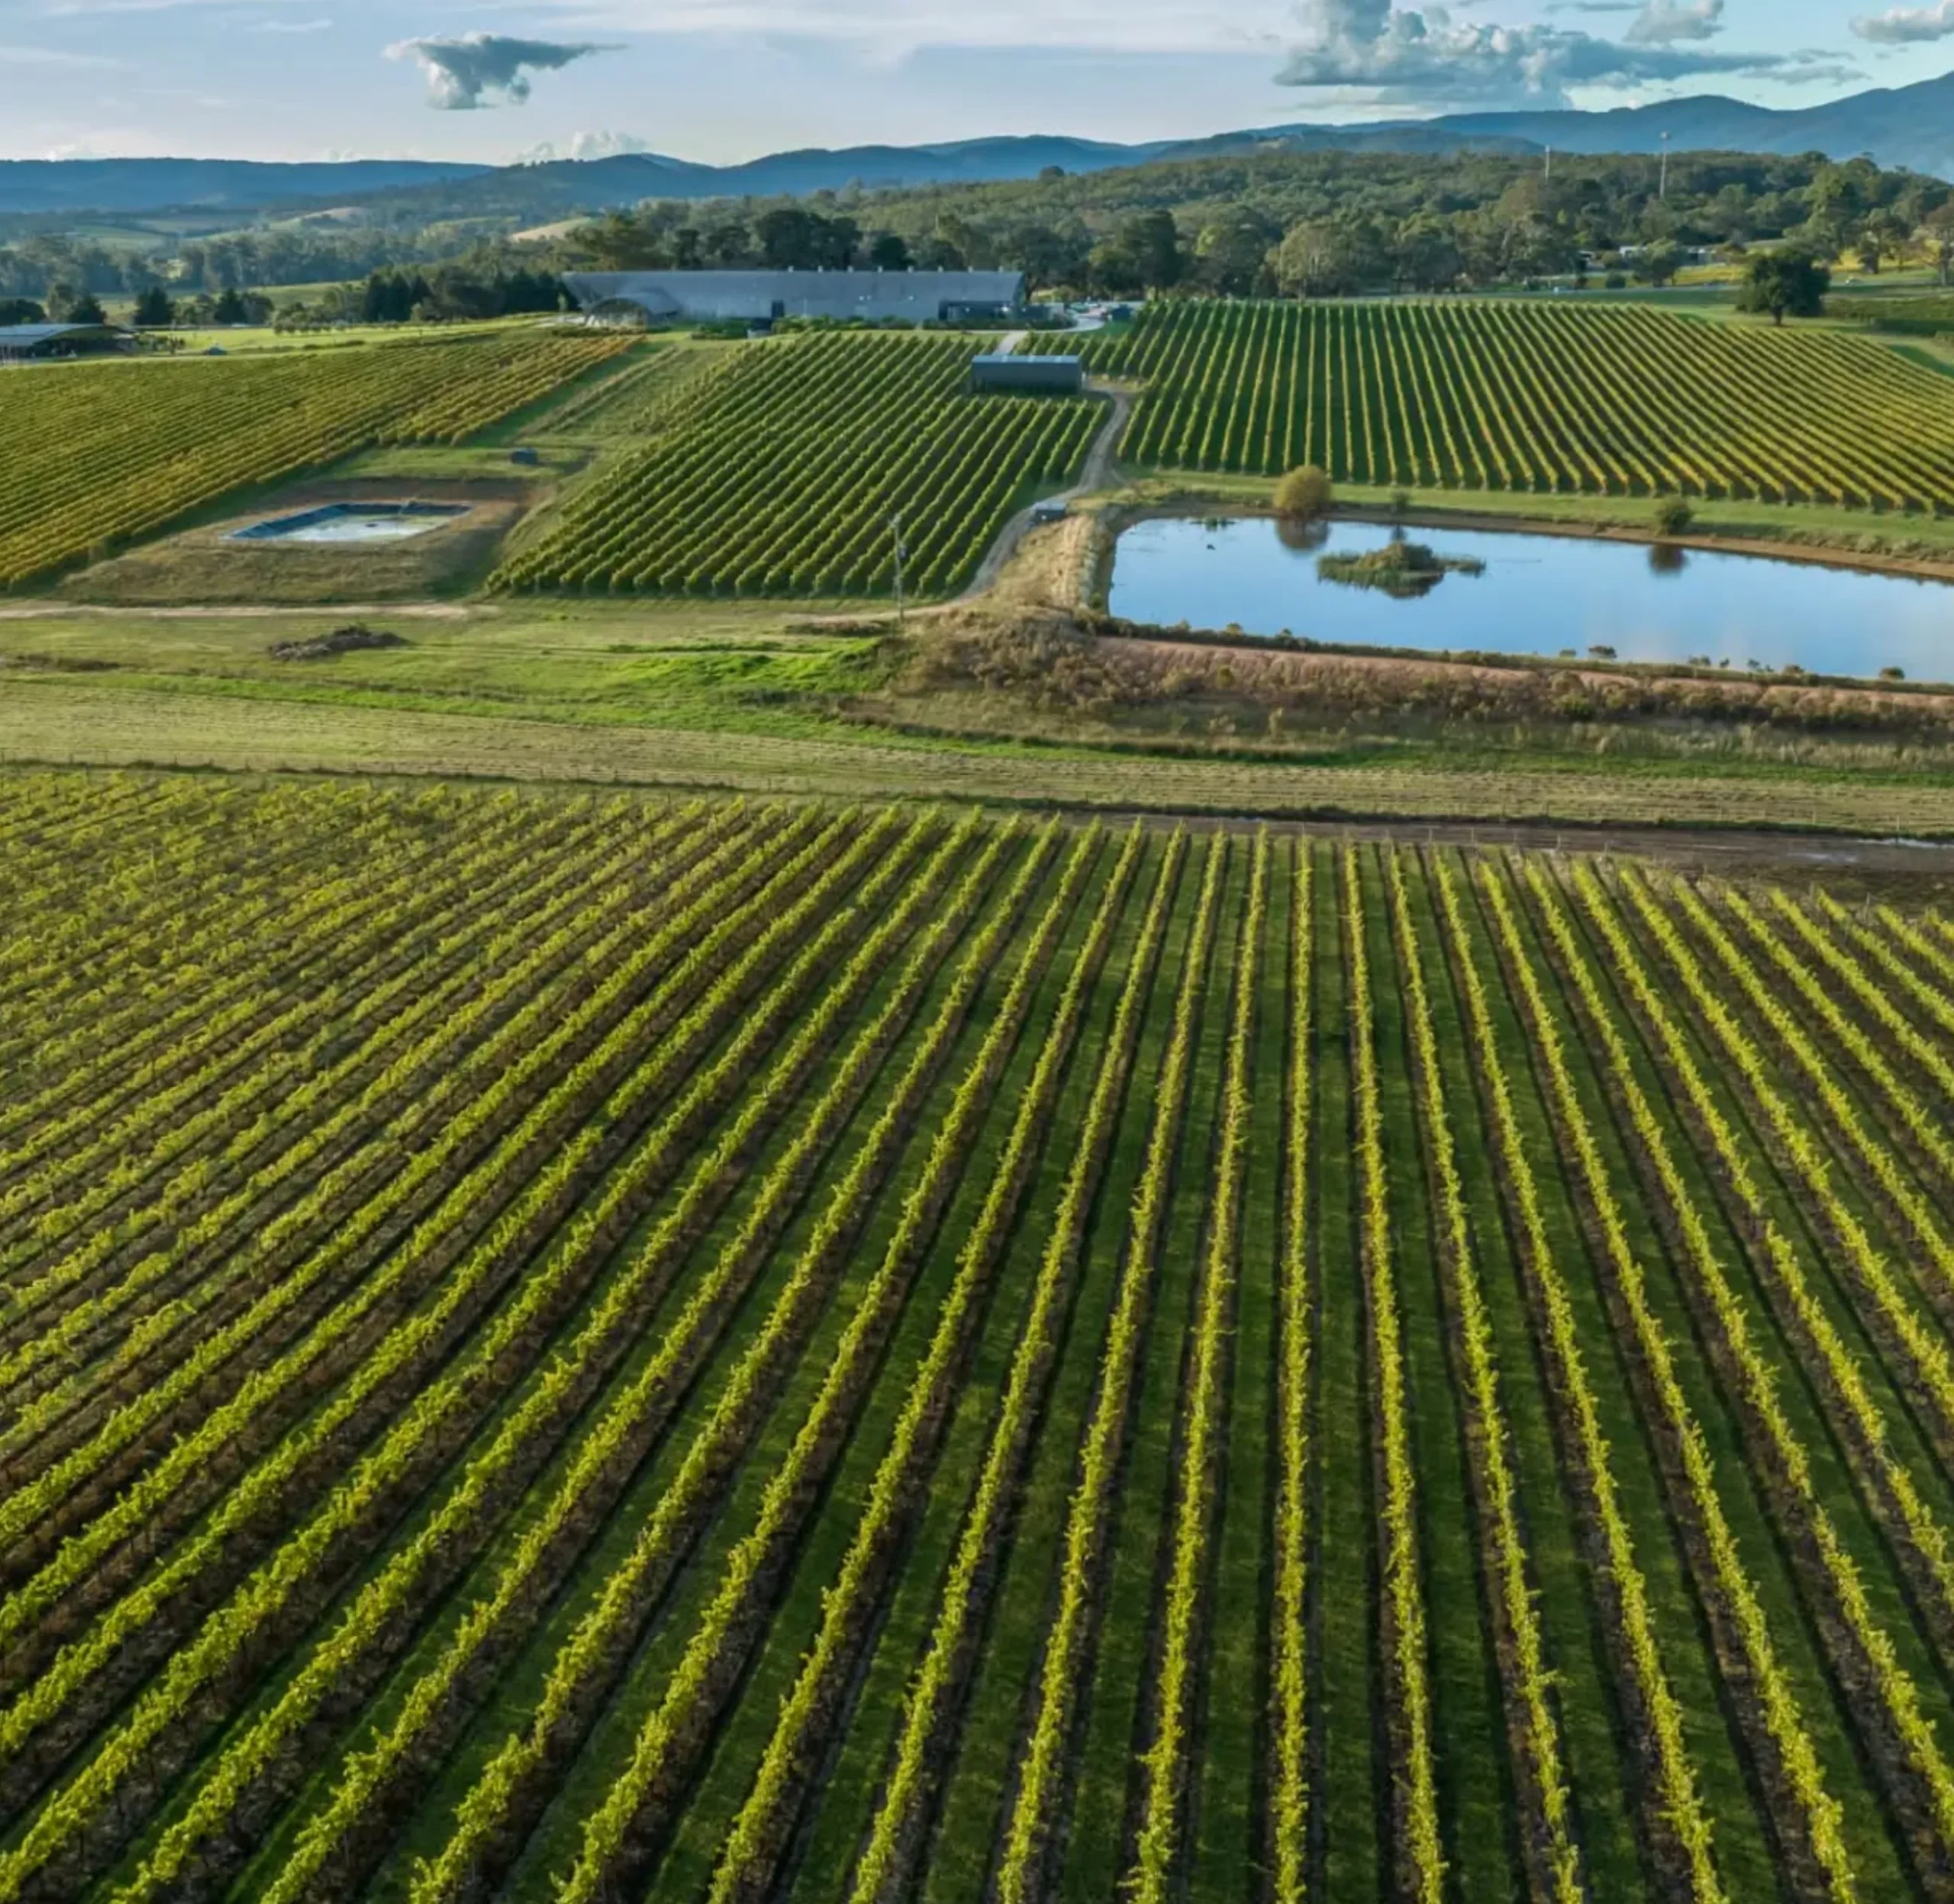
[1539,595]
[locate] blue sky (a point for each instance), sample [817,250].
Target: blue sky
[725,79]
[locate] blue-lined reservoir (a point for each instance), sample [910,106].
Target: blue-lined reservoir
[1507,592]
[354,522]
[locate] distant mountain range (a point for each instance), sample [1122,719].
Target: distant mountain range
[1909,126]
[34,185]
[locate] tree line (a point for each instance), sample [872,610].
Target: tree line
[1320,223]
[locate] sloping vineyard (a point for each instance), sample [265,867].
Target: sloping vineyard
[1604,400]
[777,472]
[100,452]
[609,1349]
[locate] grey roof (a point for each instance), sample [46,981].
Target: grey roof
[799,293]
[33,333]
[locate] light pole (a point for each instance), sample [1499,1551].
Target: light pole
[1663,186]
[895,529]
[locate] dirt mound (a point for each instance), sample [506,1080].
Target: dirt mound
[341,641]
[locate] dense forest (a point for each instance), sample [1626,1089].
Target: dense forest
[1290,223]
[1317,223]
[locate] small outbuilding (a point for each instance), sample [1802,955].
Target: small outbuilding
[1028,376]
[25,342]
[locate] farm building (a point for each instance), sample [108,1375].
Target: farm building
[760,297]
[1033,376]
[22,343]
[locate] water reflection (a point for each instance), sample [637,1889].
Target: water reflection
[1540,594]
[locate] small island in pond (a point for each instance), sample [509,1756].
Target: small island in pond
[1400,568]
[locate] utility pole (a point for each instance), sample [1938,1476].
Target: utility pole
[895,529]
[1663,188]
[1550,165]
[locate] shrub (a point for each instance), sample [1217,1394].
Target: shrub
[1673,515]
[1304,493]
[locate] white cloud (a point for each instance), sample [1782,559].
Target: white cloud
[1904,26]
[584,145]
[1663,22]
[1405,54]
[292,26]
[485,68]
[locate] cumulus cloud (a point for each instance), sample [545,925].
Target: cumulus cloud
[486,68]
[1663,22]
[584,145]
[1904,26]
[1404,54]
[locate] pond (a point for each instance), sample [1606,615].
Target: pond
[354,522]
[1537,595]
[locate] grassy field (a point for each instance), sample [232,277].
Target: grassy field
[576,1346]
[737,696]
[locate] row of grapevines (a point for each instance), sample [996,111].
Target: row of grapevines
[333,1843]
[893,1838]
[165,1721]
[777,473]
[751,1851]
[1041,1771]
[380,946]
[1420,1850]
[1677,1802]
[1841,1375]
[1527,1671]
[1163,1767]
[1926,1352]
[381,1619]
[330,1103]
[595,1037]
[107,452]
[499,1808]
[1289,1795]
[612,1837]
[1464,394]
[1816,1813]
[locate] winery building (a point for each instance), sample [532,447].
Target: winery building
[764,297]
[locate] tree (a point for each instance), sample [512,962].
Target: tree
[1153,240]
[1784,283]
[1881,235]
[726,244]
[1332,257]
[1303,495]
[73,308]
[620,242]
[153,310]
[1231,252]
[788,239]
[21,310]
[1425,256]
[1938,230]
[1657,264]
[889,251]
[685,252]
[234,306]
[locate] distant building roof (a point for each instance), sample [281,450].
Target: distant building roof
[25,336]
[916,295]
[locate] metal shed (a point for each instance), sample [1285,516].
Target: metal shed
[1038,376]
[20,342]
[760,297]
